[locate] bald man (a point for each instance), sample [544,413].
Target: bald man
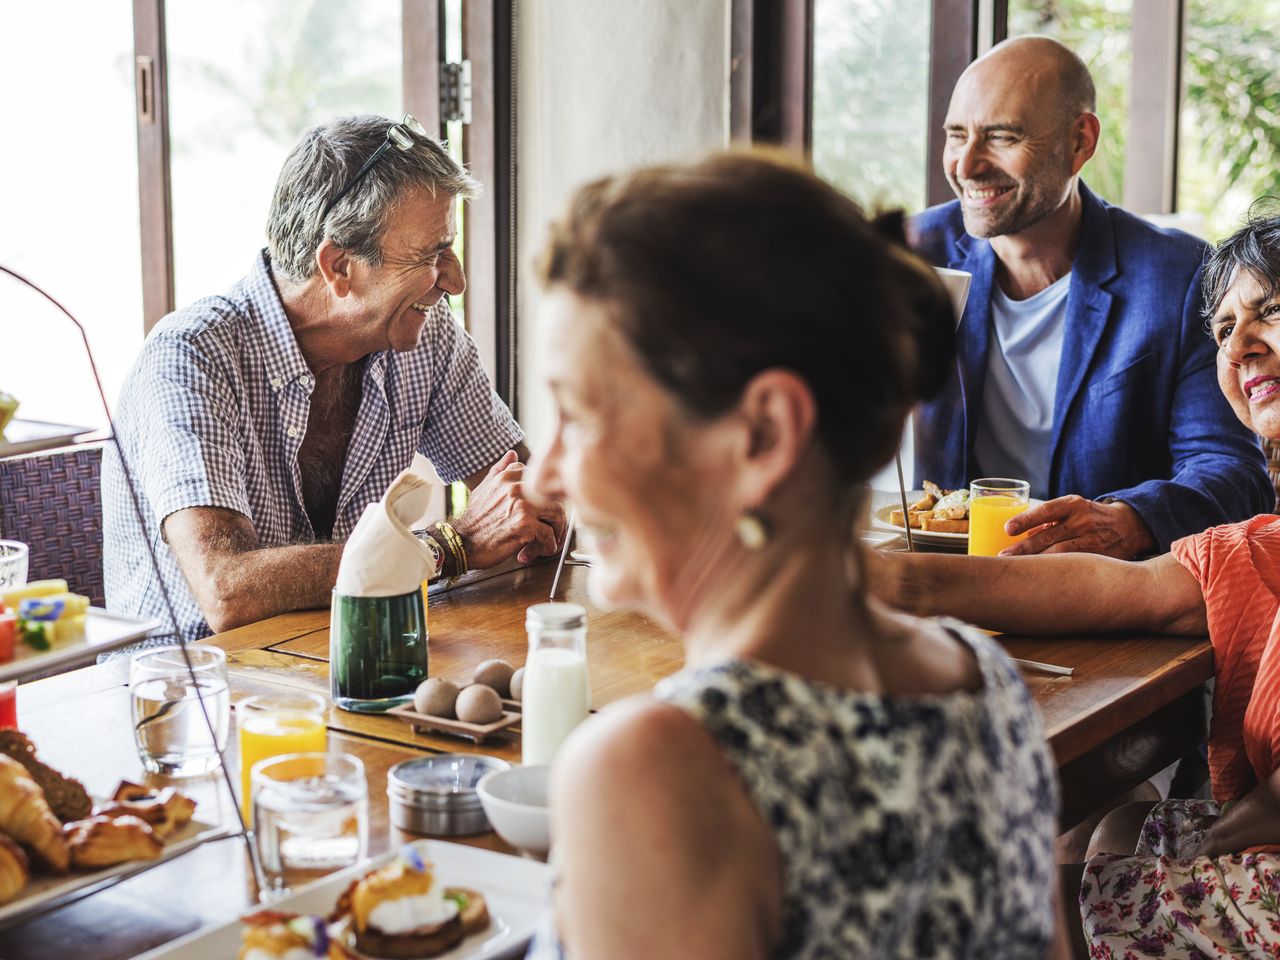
[1082,362]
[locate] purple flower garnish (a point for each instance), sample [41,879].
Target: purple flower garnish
[413,859]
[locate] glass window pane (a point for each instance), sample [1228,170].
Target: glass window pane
[70,163]
[871,98]
[1229,130]
[1097,30]
[246,78]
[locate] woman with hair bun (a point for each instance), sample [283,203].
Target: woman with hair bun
[732,350]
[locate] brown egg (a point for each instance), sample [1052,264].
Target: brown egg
[496,674]
[517,685]
[479,704]
[436,696]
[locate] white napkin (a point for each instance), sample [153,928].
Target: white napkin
[382,557]
[957,284]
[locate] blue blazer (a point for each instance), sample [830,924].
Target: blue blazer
[1138,415]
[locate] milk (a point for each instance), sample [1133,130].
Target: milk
[556,698]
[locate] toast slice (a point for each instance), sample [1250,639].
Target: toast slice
[944,525]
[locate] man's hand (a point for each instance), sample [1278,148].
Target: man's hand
[501,521]
[1072,524]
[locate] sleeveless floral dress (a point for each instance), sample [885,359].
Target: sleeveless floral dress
[909,827]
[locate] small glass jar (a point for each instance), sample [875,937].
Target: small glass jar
[556,695]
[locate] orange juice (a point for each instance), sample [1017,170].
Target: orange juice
[987,517]
[269,733]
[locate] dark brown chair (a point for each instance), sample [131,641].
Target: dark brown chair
[53,504]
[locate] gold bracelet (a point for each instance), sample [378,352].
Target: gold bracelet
[455,546]
[463,563]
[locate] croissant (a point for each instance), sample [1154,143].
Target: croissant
[26,817]
[15,869]
[104,842]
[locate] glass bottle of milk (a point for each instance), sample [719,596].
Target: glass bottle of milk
[556,695]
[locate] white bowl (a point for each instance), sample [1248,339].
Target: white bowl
[515,801]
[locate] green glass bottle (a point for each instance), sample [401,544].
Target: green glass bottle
[377,651]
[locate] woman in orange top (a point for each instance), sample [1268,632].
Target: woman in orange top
[1182,878]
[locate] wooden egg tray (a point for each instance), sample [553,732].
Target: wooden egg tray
[477,732]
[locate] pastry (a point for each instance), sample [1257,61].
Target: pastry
[67,797]
[15,869]
[164,812]
[402,911]
[272,935]
[25,816]
[104,842]
[151,812]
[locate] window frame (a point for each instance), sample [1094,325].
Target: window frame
[489,151]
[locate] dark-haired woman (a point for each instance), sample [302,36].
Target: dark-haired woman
[735,348]
[1185,878]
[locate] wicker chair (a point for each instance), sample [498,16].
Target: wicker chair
[53,503]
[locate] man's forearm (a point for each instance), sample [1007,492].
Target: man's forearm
[244,587]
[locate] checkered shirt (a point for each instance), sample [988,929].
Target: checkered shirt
[215,409]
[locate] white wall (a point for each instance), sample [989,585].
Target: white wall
[602,87]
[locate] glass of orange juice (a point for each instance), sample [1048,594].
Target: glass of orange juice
[992,501]
[274,724]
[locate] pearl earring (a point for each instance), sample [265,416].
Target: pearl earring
[751,531]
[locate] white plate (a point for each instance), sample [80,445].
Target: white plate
[884,502]
[103,631]
[32,436]
[516,890]
[45,892]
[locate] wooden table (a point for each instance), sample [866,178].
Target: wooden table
[1132,707]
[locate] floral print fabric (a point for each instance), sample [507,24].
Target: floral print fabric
[1165,902]
[909,827]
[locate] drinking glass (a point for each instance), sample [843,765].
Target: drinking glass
[311,812]
[377,651]
[992,502]
[13,564]
[169,726]
[273,724]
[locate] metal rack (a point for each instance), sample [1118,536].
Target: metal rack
[8,450]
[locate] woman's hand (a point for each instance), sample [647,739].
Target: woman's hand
[1253,821]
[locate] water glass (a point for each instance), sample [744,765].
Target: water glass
[992,503]
[169,726]
[311,815]
[13,564]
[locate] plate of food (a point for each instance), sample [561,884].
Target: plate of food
[936,516]
[58,844]
[44,626]
[32,436]
[427,899]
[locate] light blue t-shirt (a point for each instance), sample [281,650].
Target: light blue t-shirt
[1016,428]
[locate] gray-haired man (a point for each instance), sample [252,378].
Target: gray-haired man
[259,424]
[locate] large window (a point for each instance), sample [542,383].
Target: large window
[870,99]
[70,219]
[1229,143]
[245,80]
[1097,30]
